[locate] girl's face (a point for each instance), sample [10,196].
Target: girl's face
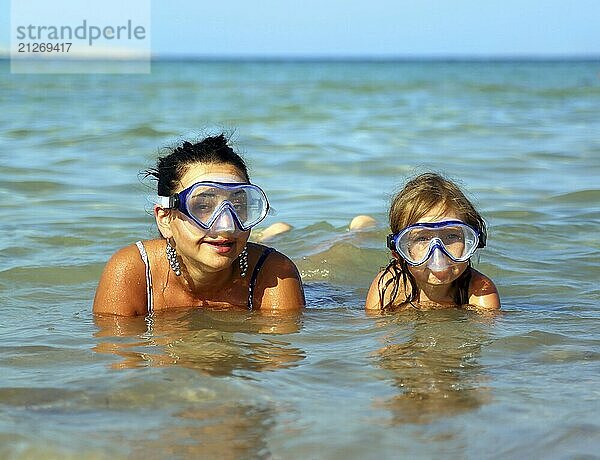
[217,248]
[452,270]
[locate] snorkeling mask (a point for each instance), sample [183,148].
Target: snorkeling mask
[220,205]
[429,242]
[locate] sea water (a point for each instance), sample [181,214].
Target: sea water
[327,141]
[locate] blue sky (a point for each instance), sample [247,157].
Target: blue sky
[380,28]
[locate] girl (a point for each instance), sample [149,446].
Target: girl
[435,231]
[206,209]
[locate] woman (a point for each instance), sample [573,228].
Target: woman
[206,209]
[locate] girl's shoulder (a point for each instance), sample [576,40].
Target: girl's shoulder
[483,292]
[389,283]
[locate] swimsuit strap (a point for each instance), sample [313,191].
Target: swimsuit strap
[251,285]
[257,268]
[144,256]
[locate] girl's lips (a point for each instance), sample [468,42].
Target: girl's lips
[445,276]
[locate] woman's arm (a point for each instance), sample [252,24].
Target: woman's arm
[279,286]
[483,293]
[122,287]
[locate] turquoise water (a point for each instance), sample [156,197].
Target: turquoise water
[327,141]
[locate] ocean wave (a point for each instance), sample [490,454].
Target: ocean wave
[581,196]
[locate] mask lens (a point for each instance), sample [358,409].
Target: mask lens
[414,244]
[454,240]
[459,241]
[206,201]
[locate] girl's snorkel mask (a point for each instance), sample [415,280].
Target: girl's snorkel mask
[437,243]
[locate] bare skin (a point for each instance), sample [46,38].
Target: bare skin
[435,288]
[483,295]
[210,272]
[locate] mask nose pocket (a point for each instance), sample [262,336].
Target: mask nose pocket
[438,261]
[225,222]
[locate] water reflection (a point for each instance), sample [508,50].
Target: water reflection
[432,358]
[190,410]
[215,342]
[220,430]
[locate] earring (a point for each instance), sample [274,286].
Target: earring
[244,262]
[172,258]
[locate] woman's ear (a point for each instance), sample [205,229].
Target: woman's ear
[163,221]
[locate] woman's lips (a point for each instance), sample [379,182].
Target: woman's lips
[221,246]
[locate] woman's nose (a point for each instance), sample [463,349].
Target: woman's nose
[225,222]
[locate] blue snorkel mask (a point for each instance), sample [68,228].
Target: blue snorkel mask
[220,205]
[437,243]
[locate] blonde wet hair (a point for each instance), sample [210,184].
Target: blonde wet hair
[417,198]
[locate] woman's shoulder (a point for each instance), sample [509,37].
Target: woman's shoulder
[125,258]
[122,286]
[278,282]
[132,256]
[272,258]
[150,246]
[483,292]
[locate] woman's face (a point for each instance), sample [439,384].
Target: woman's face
[452,270]
[217,248]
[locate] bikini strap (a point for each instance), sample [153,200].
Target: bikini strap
[255,273]
[144,256]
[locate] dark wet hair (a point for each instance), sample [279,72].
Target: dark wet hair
[171,167]
[419,196]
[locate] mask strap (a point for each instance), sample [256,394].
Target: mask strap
[168,202]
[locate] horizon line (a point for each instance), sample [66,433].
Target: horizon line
[365,57]
[355,57]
